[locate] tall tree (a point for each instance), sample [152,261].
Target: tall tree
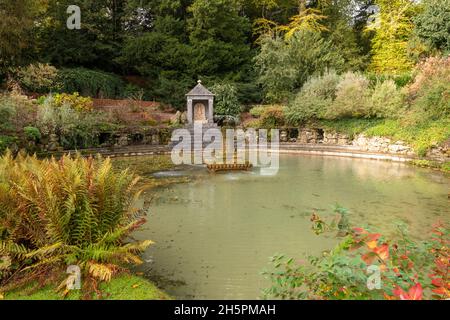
[305,17]
[432,25]
[392,31]
[285,65]
[219,35]
[342,29]
[95,45]
[17,21]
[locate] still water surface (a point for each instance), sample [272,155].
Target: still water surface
[215,234]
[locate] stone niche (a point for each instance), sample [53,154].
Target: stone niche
[289,135]
[200,105]
[310,135]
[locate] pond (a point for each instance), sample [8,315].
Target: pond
[214,235]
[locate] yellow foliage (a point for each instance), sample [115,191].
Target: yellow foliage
[390,44]
[263,27]
[75,101]
[308,19]
[101,272]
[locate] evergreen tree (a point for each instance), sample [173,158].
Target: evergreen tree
[95,45]
[219,36]
[17,39]
[433,24]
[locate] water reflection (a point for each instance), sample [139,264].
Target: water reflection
[215,235]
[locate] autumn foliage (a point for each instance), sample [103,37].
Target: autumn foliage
[408,269]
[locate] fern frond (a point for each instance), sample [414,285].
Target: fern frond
[102,272]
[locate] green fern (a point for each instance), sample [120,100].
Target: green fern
[68,211]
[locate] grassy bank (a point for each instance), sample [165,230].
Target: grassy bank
[444,167]
[123,287]
[421,135]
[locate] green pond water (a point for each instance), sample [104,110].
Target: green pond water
[215,235]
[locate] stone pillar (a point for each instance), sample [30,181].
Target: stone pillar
[211,111]
[190,117]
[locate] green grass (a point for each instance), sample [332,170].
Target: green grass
[445,167]
[419,134]
[351,127]
[123,287]
[144,165]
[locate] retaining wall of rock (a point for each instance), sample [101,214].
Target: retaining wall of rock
[123,138]
[313,136]
[369,144]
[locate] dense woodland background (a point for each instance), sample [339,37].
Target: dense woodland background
[379,67]
[273,45]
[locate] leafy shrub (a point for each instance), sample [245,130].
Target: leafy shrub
[16,112]
[409,270]
[132,91]
[249,92]
[38,77]
[32,133]
[435,101]
[72,211]
[352,98]
[90,83]
[386,100]
[401,80]
[272,117]
[6,142]
[7,112]
[74,101]
[257,111]
[284,66]
[74,129]
[430,92]
[226,100]
[426,71]
[253,124]
[314,98]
